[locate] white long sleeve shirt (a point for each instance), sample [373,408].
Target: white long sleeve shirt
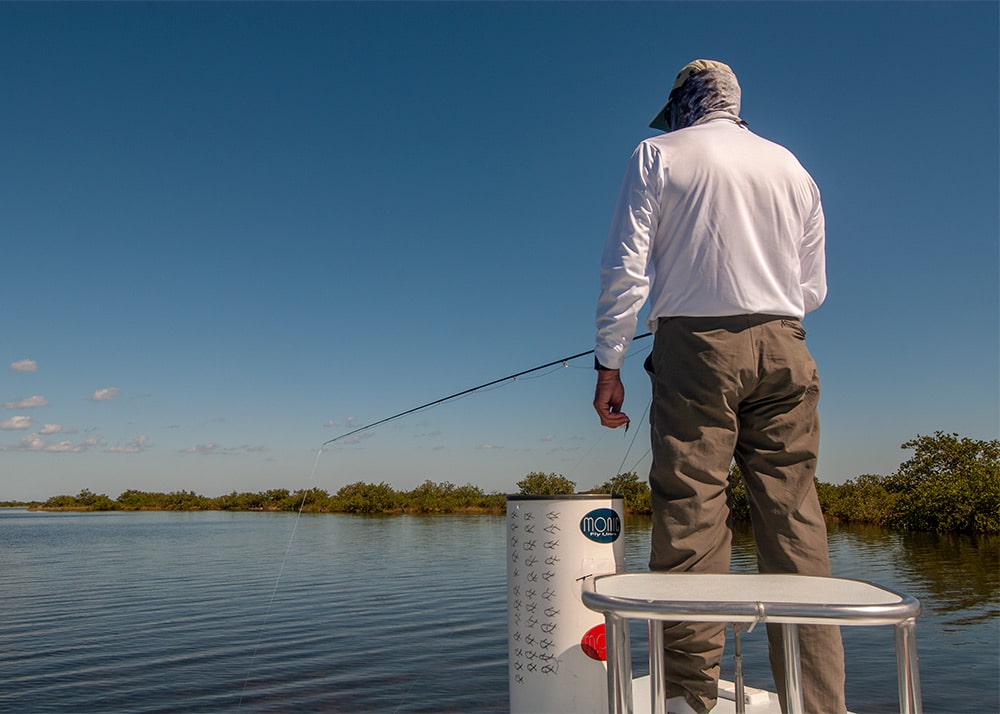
[712,220]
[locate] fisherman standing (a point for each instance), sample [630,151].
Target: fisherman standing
[723,233]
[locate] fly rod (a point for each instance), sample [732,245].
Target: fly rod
[456,395]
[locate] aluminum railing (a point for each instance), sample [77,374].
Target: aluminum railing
[788,600]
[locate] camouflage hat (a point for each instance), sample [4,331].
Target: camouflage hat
[699,65]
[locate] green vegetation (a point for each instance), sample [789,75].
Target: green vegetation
[635,492]
[950,484]
[539,484]
[428,497]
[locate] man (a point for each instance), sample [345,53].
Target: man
[723,232]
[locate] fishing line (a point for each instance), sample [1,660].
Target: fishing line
[564,361]
[632,443]
[640,459]
[277,580]
[402,699]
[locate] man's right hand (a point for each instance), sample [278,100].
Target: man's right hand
[609,397]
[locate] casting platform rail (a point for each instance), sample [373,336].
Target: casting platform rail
[788,600]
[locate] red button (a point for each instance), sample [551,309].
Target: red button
[595,643]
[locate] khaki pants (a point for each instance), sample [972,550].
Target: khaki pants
[742,387]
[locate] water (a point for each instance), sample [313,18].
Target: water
[170,612]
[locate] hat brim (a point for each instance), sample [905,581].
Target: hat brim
[660,120]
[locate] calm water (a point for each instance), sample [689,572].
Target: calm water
[170,612]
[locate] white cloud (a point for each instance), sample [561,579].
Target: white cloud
[136,446]
[548,437]
[210,448]
[50,429]
[105,395]
[489,446]
[35,442]
[123,449]
[65,447]
[24,365]
[206,449]
[32,442]
[18,422]
[329,422]
[36,401]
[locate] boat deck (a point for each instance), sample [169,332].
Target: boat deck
[758,701]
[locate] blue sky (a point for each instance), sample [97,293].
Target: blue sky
[235,231]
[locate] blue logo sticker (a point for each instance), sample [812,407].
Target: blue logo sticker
[602,525]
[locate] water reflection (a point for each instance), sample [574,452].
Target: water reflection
[953,574]
[960,573]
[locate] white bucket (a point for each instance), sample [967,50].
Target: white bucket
[556,644]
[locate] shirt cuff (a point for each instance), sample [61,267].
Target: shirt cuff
[601,368]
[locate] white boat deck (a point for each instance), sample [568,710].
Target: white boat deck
[758,701]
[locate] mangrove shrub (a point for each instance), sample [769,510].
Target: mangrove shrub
[636,494]
[539,484]
[949,484]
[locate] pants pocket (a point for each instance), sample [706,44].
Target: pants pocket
[795,327]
